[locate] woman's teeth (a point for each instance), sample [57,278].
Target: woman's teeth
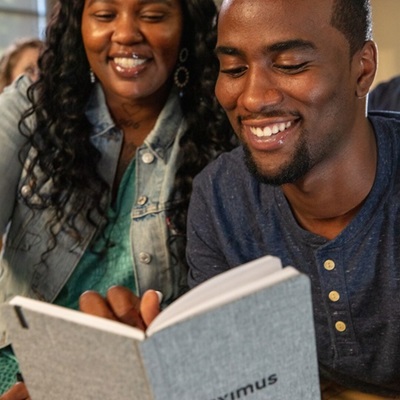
[128,62]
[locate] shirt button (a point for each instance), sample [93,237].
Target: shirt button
[147,158]
[334,296]
[142,200]
[329,265]
[340,326]
[26,190]
[145,258]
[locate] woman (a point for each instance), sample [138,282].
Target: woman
[20,57]
[121,119]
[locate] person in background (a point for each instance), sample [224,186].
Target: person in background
[21,57]
[385,96]
[100,152]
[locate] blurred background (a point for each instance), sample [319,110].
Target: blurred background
[386,14]
[27,18]
[22,18]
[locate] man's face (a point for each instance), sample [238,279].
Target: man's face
[287,83]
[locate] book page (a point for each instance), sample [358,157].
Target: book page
[78,317]
[223,288]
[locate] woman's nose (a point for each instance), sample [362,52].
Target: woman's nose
[127,31]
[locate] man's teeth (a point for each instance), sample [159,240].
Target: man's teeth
[270,130]
[128,62]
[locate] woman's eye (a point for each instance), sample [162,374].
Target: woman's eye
[104,16]
[153,17]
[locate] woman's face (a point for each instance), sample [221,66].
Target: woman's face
[133,45]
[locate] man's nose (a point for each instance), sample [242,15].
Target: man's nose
[260,91]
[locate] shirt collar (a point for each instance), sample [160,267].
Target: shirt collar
[169,122]
[169,125]
[97,111]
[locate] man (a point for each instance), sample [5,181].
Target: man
[315,181]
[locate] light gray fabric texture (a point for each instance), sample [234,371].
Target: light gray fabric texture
[238,350]
[65,361]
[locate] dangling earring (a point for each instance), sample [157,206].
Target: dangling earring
[92,76]
[181,75]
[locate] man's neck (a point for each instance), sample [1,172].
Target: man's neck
[326,200]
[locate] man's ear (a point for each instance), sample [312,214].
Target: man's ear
[366,65]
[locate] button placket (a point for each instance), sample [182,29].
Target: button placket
[333,286]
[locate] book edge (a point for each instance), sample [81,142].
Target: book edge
[224,298]
[78,317]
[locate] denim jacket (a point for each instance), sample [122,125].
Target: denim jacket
[156,266]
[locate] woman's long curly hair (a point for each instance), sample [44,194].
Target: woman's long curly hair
[63,152]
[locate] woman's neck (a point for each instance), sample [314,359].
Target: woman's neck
[136,119]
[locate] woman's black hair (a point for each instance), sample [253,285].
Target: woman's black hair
[62,151]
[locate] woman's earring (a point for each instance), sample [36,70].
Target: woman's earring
[92,76]
[181,76]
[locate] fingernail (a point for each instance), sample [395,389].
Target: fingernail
[160,296]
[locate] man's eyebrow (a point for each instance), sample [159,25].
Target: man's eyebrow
[296,44]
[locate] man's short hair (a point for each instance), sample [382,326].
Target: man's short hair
[353,18]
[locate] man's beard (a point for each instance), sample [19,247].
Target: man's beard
[288,173]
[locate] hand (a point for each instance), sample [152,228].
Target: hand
[17,392]
[122,305]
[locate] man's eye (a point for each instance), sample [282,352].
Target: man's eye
[293,68]
[233,72]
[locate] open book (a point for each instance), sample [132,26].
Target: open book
[246,333]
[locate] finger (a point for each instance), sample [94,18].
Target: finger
[93,303]
[125,305]
[17,392]
[149,306]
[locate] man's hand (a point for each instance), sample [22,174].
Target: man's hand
[122,305]
[17,392]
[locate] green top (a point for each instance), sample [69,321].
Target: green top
[95,271]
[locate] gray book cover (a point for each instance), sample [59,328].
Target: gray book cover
[64,360]
[256,348]
[258,345]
